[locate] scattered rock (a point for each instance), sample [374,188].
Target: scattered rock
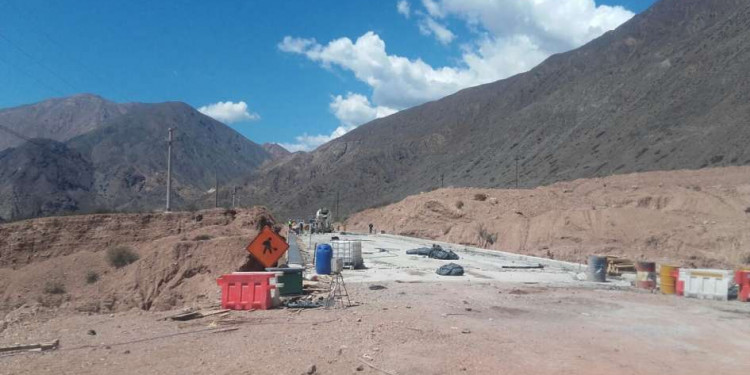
[311,370]
[377,287]
[465,330]
[360,368]
[91,332]
[126,352]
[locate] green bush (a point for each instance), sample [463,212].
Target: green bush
[92,277]
[54,287]
[121,256]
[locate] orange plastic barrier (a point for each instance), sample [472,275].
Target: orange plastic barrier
[246,290]
[742,278]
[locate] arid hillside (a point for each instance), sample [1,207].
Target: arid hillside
[697,218]
[667,90]
[64,261]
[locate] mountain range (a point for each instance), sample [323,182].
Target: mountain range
[669,89]
[91,154]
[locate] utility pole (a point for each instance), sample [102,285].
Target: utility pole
[169,170]
[216,189]
[234,194]
[516,171]
[337,205]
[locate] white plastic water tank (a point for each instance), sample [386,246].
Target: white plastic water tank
[706,283]
[349,251]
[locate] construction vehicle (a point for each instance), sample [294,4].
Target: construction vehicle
[322,222]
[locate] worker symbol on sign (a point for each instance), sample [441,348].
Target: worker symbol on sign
[267,246]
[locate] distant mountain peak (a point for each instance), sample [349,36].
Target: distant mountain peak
[276,150]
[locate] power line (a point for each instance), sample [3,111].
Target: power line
[31,76]
[35,60]
[19,135]
[72,57]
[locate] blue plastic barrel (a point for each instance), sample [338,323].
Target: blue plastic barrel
[323,255]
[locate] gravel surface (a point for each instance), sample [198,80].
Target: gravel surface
[410,324]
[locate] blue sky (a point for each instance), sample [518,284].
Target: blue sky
[293,72]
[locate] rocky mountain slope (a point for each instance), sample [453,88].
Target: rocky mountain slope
[276,150]
[694,218]
[666,90]
[43,177]
[120,162]
[58,119]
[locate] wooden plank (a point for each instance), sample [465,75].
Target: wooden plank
[40,346]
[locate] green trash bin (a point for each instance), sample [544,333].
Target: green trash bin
[291,278]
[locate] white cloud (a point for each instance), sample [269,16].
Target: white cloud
[428,26]
[351,111]
[433,8]
[509,37]
[295,45]
[555,25]
[229,112]
[404,8]
[355,110]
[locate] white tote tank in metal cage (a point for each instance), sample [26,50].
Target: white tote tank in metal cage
[349,251]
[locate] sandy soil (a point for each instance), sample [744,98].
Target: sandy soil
[177,267]
[410,328]
[694,218]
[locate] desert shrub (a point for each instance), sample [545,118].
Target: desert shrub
[54,287]
[121,256]
[747,210]
[459,204]
[480,197]
[485,237]
[202,237]
[92,277]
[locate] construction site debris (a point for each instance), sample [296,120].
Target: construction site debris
[616,266]
[196,314]
[374,367]
[450,269]
[31,347]
[303,304]
[526,267]
[435,252]
[377,287]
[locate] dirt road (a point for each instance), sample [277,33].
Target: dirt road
[418,324]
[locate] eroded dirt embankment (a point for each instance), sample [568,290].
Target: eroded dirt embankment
[62,261]
[695,218]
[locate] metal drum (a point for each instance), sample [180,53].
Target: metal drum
[668,278]
[597,270]
[645,275]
